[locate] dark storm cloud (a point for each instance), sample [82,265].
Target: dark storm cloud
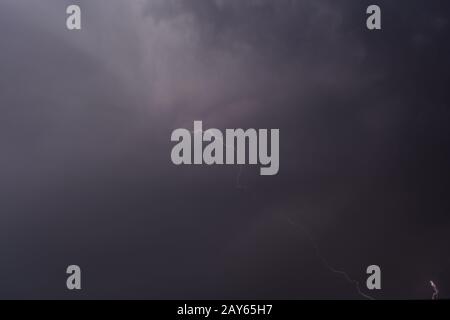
[85,131]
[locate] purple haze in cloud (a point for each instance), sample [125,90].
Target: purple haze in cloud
[86,176]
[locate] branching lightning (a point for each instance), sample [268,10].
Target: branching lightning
[325,262]
[313,243]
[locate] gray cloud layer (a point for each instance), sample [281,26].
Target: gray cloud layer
[85,127]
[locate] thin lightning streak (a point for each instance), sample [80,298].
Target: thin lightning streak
[307,234]
[238,177]
[218,138]
[314,244]
[327,264]
[435,290]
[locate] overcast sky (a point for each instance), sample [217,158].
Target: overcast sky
[85,170]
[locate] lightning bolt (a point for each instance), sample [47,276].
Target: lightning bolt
[326,264]
[241,167]
[435,290]
[238,178]
[313,243]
